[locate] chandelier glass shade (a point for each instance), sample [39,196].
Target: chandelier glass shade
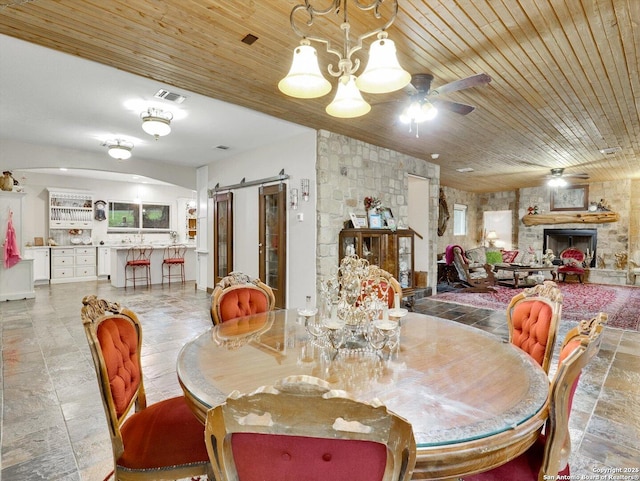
[382,74]
[348,102]
[119,149]
[156,122]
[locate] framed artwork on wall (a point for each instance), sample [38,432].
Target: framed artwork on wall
[358,220]
[574,197]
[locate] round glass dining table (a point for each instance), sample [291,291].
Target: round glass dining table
[474,400]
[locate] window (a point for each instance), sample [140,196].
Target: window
[459,219]
[130,216]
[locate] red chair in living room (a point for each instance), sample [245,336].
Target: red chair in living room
[161,441]
[237,295]
[548,457]
[572,264]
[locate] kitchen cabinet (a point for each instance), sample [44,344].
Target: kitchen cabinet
[393,251]
[41,263]
[69,209]
[104,261]
[73,264]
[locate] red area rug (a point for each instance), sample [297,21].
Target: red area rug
[581,301]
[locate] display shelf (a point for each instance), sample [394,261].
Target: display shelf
[70,209]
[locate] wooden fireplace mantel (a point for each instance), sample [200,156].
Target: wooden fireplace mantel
[577,218]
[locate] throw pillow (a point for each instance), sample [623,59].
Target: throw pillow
[477,255]
[494,257]
[509,256]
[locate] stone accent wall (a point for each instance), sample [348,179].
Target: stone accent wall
[349,170]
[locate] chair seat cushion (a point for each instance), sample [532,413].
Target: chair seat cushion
[164,434]
[174,261]
[523,468]
[139,262]
[294,458]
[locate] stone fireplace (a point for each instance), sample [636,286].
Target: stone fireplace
[559,239]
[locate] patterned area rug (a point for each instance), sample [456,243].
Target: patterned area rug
[581,301]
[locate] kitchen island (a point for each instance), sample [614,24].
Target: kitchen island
[119,260]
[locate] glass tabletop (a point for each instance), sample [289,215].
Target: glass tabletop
[454,383]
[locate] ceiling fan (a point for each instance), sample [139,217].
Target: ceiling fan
[424,101]
[557,177]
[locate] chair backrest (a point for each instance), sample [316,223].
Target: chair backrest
[174,251]
[579,347]
[301,429]
[115,339]
[533,317]
[381,283]
[139,254]
[238,295]
[459,262]
[572,253]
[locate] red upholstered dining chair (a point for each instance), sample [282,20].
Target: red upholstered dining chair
[238,295]
[572,264]
[533,316]
[383,284]
[301,429]
[162,441]
[548,457]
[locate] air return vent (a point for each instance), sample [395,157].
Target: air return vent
[170,96]
[610,150]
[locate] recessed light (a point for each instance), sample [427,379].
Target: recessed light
[63,169]
[465,169]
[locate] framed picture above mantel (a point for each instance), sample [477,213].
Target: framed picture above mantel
[574,197]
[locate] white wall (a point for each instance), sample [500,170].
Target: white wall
[297,156]
[37,210]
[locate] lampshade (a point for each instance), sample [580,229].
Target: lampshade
[557,182]
[119,149]
[304,79]
[348,102]
[383,72]
[492,235]
[156,122]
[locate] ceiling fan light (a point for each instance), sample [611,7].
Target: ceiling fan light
[304,80]
[348,102]
[156,122]
[418,112]
[557,182]
[383,72]
[428,111]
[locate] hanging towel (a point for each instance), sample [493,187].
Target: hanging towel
[11,250]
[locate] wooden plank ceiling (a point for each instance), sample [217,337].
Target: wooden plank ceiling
[565,73]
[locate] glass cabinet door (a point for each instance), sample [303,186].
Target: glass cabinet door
[272,246]
[371,248]
[405,261]
[222,235]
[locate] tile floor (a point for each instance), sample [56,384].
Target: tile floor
[53,425]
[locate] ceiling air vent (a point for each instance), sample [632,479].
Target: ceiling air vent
[222,147]
[170,96]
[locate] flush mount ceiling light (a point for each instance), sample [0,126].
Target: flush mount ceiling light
[156,122]
[382,74]
[119,149]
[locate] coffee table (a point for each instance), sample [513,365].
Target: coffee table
[519,269]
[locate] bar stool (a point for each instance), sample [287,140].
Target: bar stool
[173,257]
[138,257]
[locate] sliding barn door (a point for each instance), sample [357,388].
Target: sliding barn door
[272,240]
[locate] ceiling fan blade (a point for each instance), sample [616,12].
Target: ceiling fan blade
[582,175]
[458,108]
[465,83]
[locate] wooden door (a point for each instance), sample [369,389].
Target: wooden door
[272,247]
[222,235]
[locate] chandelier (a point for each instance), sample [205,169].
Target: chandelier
[156,122]
[382,74]
[119,149]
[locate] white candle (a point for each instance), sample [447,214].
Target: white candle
[396,303]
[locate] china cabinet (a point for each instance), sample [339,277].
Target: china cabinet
[272,231]
[393,251]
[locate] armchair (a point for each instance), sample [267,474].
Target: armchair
[572,264]
[238,295]
[473,275]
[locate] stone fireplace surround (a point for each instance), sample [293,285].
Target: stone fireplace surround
[559,239]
